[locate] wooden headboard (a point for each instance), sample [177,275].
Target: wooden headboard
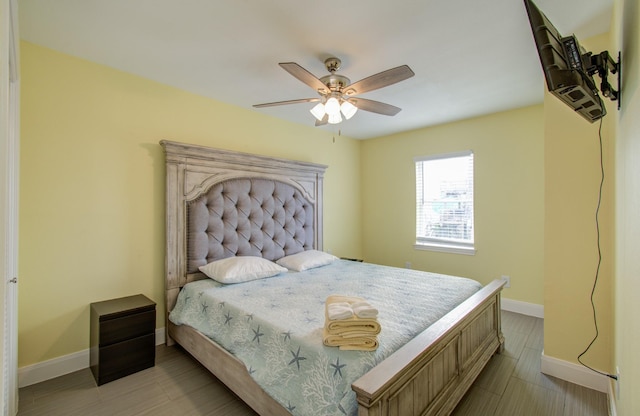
[192,171]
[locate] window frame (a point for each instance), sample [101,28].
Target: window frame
[443,244]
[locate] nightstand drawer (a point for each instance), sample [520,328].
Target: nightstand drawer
[127,327]
[126,357]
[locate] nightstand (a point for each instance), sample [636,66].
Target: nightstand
[350,259]
[122,337]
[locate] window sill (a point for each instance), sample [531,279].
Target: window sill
[446,248]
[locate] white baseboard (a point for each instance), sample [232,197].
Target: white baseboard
[60,366]
[53,368]
[525,308]
[611,395]
[574,373]
[564,370]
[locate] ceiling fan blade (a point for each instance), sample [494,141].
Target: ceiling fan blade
[302,100]
[304,76]
[322,122]
[375,106]
[379,80]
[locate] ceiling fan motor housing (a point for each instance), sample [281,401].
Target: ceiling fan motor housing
[335,82]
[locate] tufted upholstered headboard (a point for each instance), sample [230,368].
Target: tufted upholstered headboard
[248,217]
[221,203]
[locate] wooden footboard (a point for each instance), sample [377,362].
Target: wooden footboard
[430,374]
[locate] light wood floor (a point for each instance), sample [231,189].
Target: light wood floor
[510,385]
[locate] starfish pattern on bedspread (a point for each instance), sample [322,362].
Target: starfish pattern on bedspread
[338,367]
[257,334]
[297,358]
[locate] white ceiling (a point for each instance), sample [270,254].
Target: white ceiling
[470,57]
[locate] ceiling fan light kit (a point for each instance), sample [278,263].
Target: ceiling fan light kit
[332,107]
[336,90]
[334,118]
[348,109]
[318,111]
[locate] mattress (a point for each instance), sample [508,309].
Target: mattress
[275,326]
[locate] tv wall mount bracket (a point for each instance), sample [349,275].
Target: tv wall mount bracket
[601,64]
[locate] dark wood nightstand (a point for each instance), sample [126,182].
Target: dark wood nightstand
[122,337]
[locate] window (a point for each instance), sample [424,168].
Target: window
[444,203]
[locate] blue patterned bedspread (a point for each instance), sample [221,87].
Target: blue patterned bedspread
[275,326]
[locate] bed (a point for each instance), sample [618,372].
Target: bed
[428,374]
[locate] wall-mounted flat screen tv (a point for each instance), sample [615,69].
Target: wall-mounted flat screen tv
[568,69]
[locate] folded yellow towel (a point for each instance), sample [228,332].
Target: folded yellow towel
[361,343]
[353,325]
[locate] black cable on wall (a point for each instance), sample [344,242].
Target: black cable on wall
[597,275]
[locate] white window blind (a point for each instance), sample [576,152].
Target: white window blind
[444,202]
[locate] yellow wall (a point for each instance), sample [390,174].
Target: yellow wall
[92,187]
[509,199]
[627,228]
[572,181]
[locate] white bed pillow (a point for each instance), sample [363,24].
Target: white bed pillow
[241,269]
[305,260]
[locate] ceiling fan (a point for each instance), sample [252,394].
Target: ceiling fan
[337,94]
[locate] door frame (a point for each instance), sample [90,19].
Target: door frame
[9,197]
